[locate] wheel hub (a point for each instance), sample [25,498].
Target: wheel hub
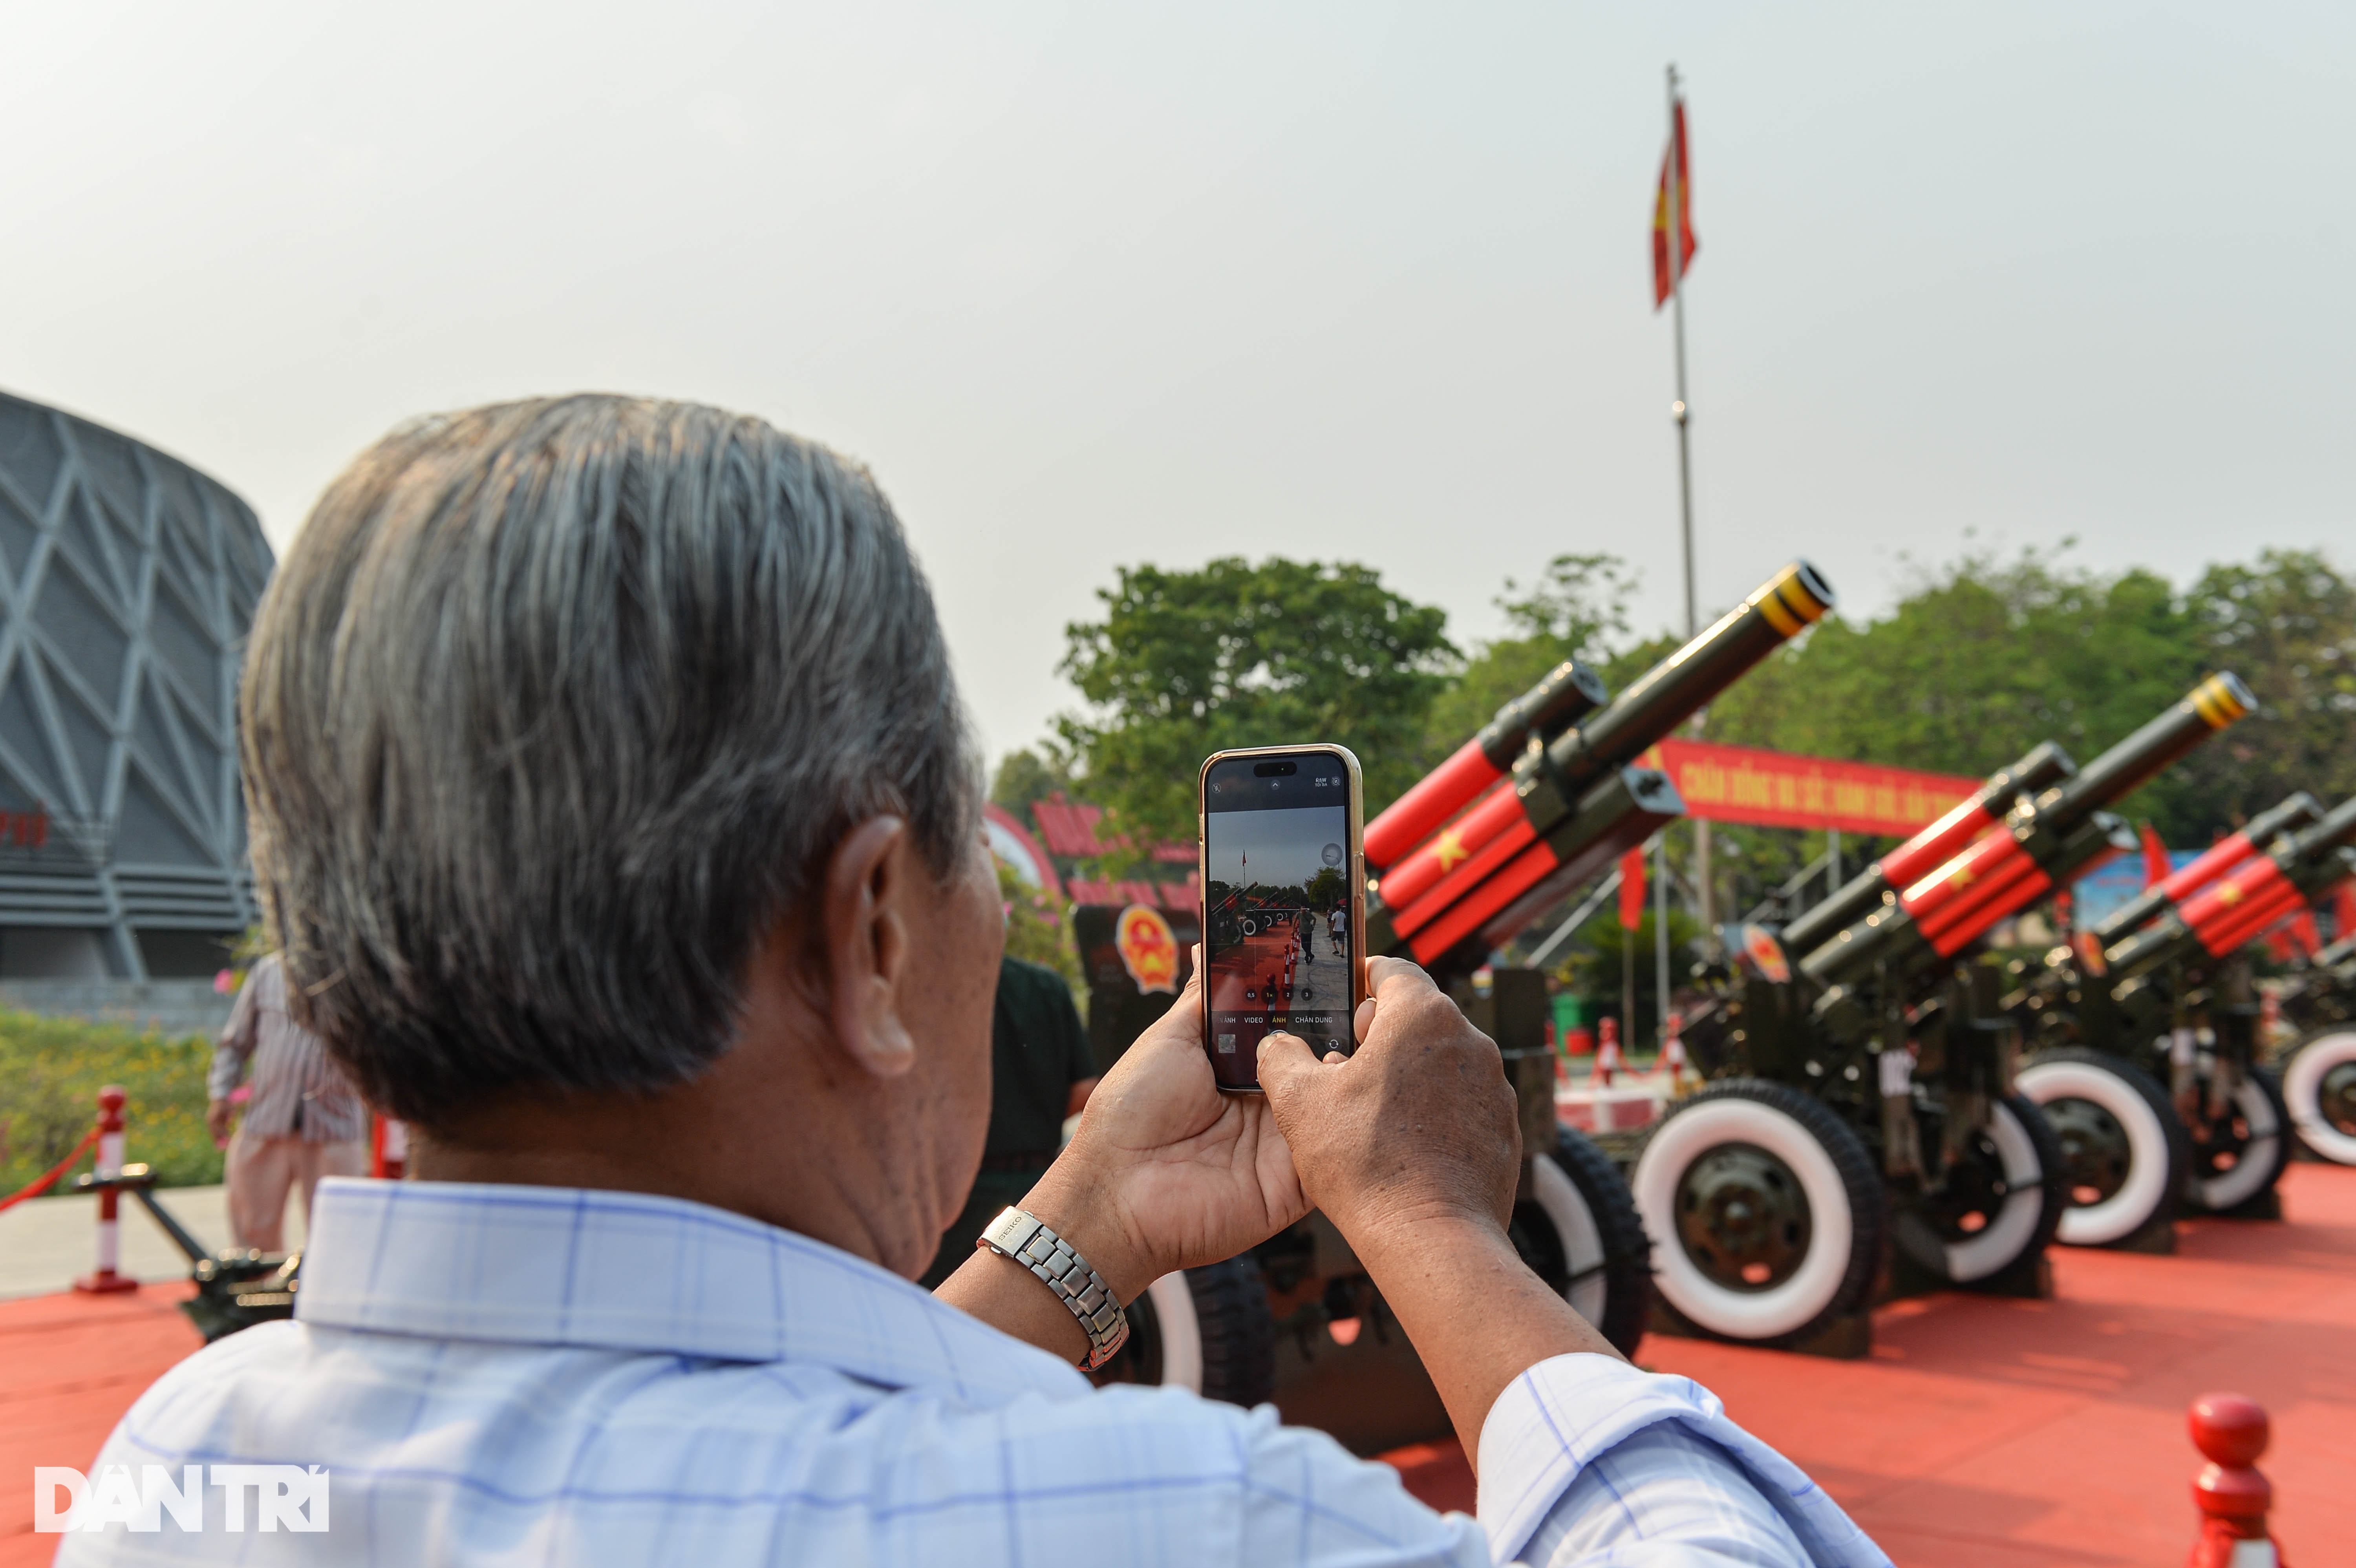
[1742,1218]
[2219,1143]
[2336,1098]
[2095,1152]
[1973,1193]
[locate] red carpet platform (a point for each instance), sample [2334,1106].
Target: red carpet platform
[1982,1431]
[1999,1434]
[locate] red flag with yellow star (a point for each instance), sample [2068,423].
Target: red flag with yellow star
[1632,888]
[1676,156]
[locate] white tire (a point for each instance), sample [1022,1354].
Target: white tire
[2146,1188]
[2012,1230]
[2327,1056]
[1745,1117]
[1581,1238]
[2260,1159]
[1182,1333]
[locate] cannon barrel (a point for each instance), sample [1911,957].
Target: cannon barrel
[1970,817]
[2206,708]
[2246,900]
[1570,691]
[1550,779]
[1955,902]
[2297,811]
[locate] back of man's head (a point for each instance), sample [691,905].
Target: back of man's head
[552,711]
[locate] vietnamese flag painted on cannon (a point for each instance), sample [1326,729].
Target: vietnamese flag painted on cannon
[1777,789]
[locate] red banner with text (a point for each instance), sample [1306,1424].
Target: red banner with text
[1776,789]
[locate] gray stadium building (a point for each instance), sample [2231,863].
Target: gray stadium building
[127,581]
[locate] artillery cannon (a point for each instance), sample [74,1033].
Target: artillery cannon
[1868,1087]
[2146,1051]
[1553,794]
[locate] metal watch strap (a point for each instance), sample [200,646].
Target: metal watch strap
[1080,1288]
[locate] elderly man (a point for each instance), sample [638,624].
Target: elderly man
[612,799]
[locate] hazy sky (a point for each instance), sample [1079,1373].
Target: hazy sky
[1094,284]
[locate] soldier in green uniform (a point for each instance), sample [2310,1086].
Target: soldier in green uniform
[1042,1068]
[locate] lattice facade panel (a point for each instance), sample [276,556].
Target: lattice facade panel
[127,582]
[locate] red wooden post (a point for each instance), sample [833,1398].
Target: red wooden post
[105,1280]
[2233,1496]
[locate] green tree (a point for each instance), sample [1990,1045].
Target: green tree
[1023,779]
[1573,611]
[1035,929]
[1983,660]
[1187,663]
[2286,626]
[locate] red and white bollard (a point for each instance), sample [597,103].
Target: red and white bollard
[2231,1494]
[106,1279]
[389,1155]
[1673,1055]
[1607,1063]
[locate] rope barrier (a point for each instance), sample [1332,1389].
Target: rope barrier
[45,1182]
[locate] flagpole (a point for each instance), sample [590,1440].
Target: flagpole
[1674,242]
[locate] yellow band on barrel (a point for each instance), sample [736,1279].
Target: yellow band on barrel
[1779,616]
[2214,701]
[1793,591]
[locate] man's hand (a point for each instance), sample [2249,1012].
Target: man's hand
[1413,1149]
[216,1114]
[1419,1125]
[1165,1172]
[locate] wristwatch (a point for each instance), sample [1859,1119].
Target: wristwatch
[1083,1291]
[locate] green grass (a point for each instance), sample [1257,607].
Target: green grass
[50,1073]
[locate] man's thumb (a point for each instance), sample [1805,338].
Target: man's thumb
[1283,1060]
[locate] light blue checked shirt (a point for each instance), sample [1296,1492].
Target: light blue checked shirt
[538,1375]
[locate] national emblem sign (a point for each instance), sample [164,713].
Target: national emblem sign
[1148,949]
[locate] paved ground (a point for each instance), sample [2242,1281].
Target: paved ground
[49,1242]
[2005,1434]
[1994,1434]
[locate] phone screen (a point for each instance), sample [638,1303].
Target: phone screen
[1277,915]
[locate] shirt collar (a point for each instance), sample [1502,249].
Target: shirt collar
[629,1271]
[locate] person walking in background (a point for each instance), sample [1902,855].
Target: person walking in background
[1042,1068]
[1337,926]
[305,1119]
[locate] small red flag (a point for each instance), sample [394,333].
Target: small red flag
[1632,888]
[2155,866]
[2344,914]
[1675,156]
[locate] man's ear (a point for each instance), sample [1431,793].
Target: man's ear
[864,926]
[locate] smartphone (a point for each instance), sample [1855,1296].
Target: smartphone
[1284,880]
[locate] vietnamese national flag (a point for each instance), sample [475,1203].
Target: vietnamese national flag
[1676,154]
[1632,888]
[2155,866]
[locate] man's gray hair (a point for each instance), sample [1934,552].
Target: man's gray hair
[552,711]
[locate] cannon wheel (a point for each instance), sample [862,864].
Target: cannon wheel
[1207,1330]
[2125,1150]
[2244,1154]
[1998,1204]
[1578,1231]
[2318,1087]
[1768,1210]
